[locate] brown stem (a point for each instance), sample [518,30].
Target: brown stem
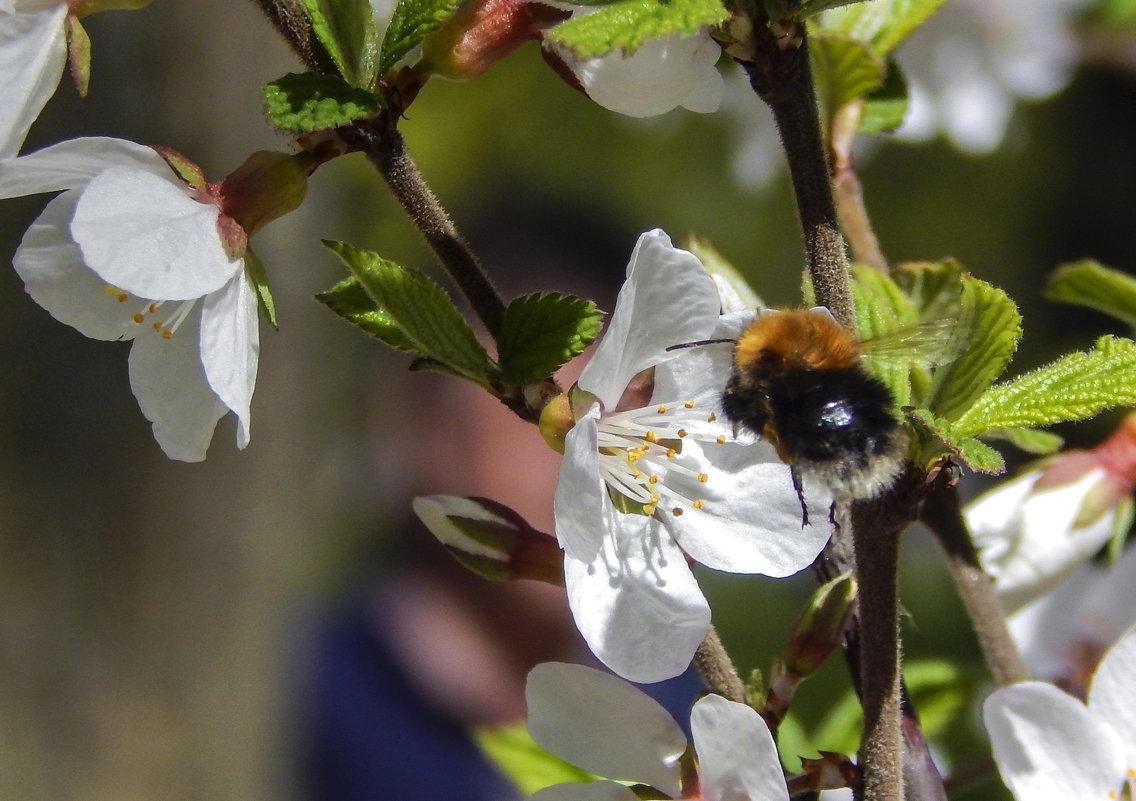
[290,21]
[385,148]
[781,76]
[849,197]
[942,514]
[717,670]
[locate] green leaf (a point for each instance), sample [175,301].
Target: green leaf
[843,70]
[625,25]
[940,438]
[886,106]
[346,29]
[988,327]
[881,24]
[530,767]
[1088,283]
[412,21]
[304,102]
[422,310]
[1074,387]
[350,301]
[1033,441]
[542,331]
[258,277]
[881,310]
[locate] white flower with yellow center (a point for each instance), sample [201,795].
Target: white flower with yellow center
[648,437]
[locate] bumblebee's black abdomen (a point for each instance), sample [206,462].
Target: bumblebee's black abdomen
[834,416]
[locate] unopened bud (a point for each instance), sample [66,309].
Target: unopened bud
[819,629]
[556,421]
[267,186]
[491,539]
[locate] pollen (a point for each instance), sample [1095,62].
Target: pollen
[703,478]
[698,504]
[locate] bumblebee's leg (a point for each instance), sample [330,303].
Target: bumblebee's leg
[800,495]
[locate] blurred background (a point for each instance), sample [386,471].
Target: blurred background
[230,629]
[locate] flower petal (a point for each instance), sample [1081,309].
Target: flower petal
[737,759]
[637,604]
[53,272]
[1048,745]
[580,492]
[73,163]
[33,51]
[1112,695]
[604,725]
[661,75]
[143,232]
[592,791]
[230,345]
[169,382]
[750,521]
[668,299]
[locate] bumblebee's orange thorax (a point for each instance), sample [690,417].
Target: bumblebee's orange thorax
[797,338]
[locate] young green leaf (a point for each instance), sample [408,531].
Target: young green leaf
[413,20]
[350,301]
[527,765]
[304,102]
[542,331]
[1031,440]
[882,24]
[989,327]
[886,106]
[346,29]
[422,310]
[940,438]
[1088,283]
[258,277]
[843,70]
[626,24]
[881,310]
[1074,387]
[934,287]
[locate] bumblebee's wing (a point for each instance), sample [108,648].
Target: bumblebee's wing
[930,344]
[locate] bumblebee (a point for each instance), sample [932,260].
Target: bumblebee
[799,382]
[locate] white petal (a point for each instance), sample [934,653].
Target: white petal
[737,759]
[73,163]
[1048,745]
[1112,694]
[702,372]
[668,299]
[169,382]
[661,75]
[230,346]
[580,492]
[1027,537]
[637,604]
[144,233]
[53,272]
[33,51]
[604,725]
[592,791]
[751,518]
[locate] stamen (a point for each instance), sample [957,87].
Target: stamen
[710,418]
[681,433]
[688,404]
[652,479]
[671,453]
[721,439]
[697,504]
[703,478]
[652,437]
[662,409]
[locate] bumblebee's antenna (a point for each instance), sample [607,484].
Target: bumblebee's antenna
[700,343]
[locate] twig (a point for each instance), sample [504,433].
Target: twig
[717,670]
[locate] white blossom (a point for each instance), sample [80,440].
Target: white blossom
[33,52]
[686,486]
[129,251]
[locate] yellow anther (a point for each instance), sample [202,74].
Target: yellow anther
[671,453]
[636,472]
[662,409]
[167,334]
[649,508]
[676,512]
[721,440]
[710,418]
[697,504]
[652,437]
[681,433]
[653,479]
[121,297]
[688,404]
[153,307]
[138,317]
[156,326]
[703,478]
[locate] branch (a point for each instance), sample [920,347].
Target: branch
[290,21]
[717,670]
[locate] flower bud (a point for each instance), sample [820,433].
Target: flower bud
[268,185]
[819,630]
[491,539]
